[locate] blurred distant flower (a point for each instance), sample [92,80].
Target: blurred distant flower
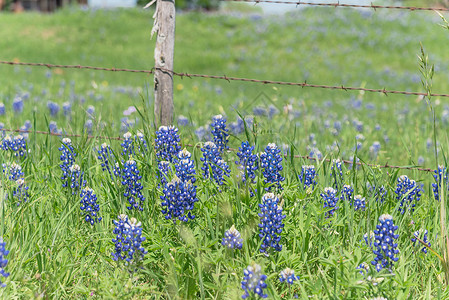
[67,108]
[90,112]
[183,121]
[17,104]
[2,109]
[53,107]
[129,110]
[3,260]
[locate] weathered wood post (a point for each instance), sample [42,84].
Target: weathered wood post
[164,24]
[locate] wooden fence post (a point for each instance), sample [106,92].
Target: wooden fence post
[163,54]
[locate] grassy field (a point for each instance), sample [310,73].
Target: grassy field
[56,254]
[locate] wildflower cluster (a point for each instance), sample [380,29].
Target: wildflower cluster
[128,241]
[330,200]
[16,144]
[127,145]
[271,162]
[163,169]
[220,133]
[14,173]
[232,239]
[288,275]
[441,179]
[346,193]
[167,143]
[89,206]
[108,160]
[77,181]
[408,192]
[359,202]
[247,161]
[337,172]
[213,165]
[307,176]
[185,169]
[67,158]
[254,281]
[178,200]
[3,261]
[385,247]
[133,187]
[270,226]
[417,235]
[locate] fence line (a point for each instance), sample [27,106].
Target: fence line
[338,4]
[228,78]
[348,162]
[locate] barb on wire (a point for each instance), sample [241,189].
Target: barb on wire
[338,4]
[228,78]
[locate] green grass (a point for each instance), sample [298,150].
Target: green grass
[55,254]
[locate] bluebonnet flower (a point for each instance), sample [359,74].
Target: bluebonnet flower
[288,275]
[259,111]
[2,109]
[441,179]
[53,108]
[167,143]
[248,162]
[346,193]
[315,153]
[408,193]
[19,145]
[183,121]
[237,127]
[178,200]
[107,159]
[272,111]
[12,171]
[77,181]
[133,187]
[128,241]
[90,112]
[337,172]
[6,143]
[20,192]
[163,172]
[220,132]
[254,281]
[213,165]
[374,149]
[88,125]
[270,226]
[271,162]
[3,260]
[185,169]
[357,163]
[200,133]
[369,239]
[420,160]
[67,108]
[337,126]
[363,267]
[232,239]
[53,127]
[424,238]
[385,247]
[26,126]
[359,202]
[17,104]
[67,159]
[2,125]
[330,200]
[307,176]
[377,127]
[141,142]
[89,206]
[127,144]
[378,193]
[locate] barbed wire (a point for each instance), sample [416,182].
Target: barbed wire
[229,78]
[338,4]
[307,157]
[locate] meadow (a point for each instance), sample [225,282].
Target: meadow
[63,197]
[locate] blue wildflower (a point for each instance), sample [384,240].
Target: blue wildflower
[385,247]
[237,127]
[128,241]
[133,187]
[346,193]
[127,145]
[213,165]
[89,206]
[254,281]
[53,108]
[3,261]
[220,133]
[363,267]
[90,112]
[441,179]
[408,193]
[336,172]
[232,239]
[248,162]
[12,171]
[178,200]
[359,203]
[417,234]
[107,159]
[183,121]
[271,162]
[67,108]
[20,191]
[288,275]
[77,181]
[2,109]
[17,104]
[330,200]
[270,226]
[315,153]
[163,168]
[167,143]
[307,177]
[185,169]
[67,159]
[141,142]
